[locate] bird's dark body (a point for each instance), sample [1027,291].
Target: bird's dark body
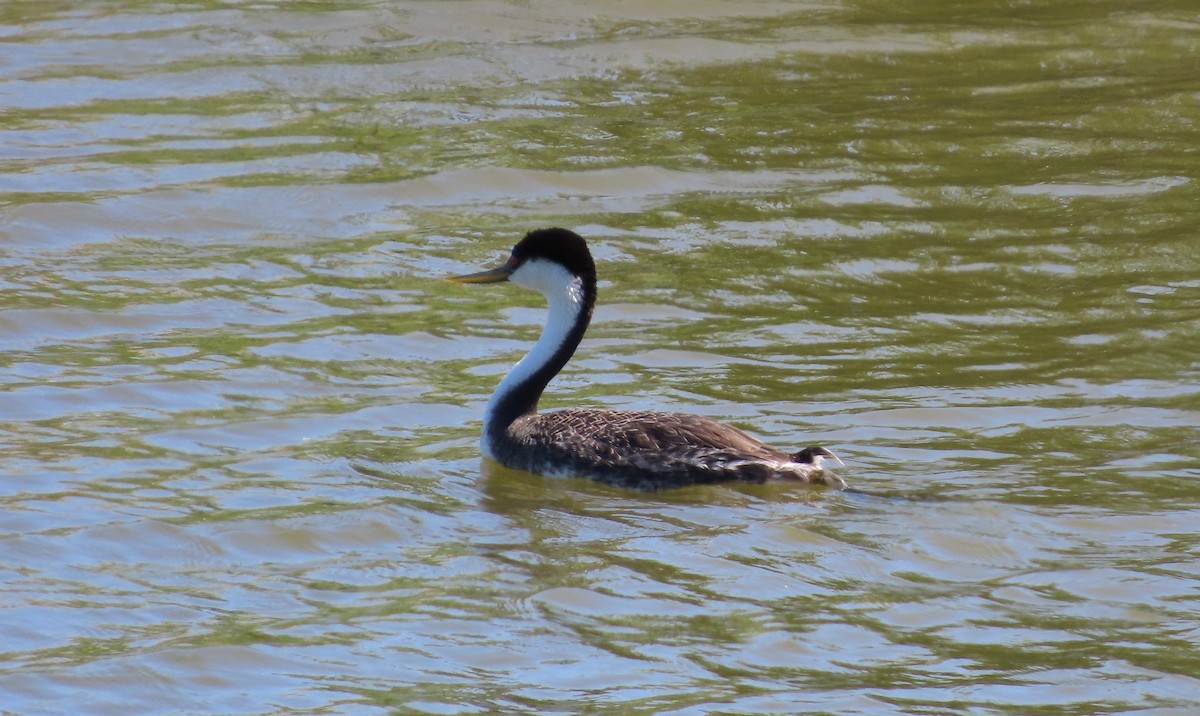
[649,450]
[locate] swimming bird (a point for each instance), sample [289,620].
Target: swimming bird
[644,450]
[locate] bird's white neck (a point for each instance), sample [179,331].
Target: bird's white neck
[570,302]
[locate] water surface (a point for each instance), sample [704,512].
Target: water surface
[954,242]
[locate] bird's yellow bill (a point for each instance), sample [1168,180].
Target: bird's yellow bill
[496,275]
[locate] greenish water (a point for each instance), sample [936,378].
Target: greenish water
[956,242]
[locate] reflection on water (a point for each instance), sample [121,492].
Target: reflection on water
[956,244]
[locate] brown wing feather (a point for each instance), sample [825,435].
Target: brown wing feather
[621,432]
[648,449]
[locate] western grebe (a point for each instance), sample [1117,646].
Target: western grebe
[630,448]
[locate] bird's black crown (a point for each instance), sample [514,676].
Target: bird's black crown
[562,246]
